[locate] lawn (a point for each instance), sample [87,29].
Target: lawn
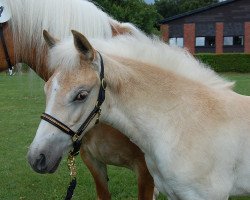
[22,102]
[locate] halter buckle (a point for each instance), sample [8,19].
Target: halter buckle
[98,116]
[75,138]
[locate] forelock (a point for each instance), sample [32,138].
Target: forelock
[64,55]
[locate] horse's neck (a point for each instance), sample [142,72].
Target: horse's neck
[39,66]
[151,105]
[29,56]
[8,38]
[138,98]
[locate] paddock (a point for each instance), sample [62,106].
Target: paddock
[21,101]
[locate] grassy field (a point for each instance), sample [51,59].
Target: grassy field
[21,103]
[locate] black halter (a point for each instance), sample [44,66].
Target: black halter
[7,57]
[96,111]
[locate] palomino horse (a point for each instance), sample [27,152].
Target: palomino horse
[24,41]
[191,125]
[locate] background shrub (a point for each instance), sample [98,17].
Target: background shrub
[230,62]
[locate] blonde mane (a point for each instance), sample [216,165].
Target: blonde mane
[146,50]
[31,17]
[157,53]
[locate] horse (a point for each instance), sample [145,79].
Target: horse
[24,41]
[190,124]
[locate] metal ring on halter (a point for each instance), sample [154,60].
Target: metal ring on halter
[104,84]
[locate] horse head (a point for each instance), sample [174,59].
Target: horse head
[71,93]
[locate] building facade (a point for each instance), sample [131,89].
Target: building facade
[220,28]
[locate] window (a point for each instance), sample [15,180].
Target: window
[210,41]
[228,41]
[200,41]
[234,40]
[239,40]
[176,42]
[205,41]
[180,42]
[172,41]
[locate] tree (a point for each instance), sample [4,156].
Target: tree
[188,5]
[168,8]
[144,16]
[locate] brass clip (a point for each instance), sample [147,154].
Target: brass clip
[72,166]
[75,138]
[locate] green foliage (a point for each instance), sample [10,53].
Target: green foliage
[231,62]
[168,8]
[144,16]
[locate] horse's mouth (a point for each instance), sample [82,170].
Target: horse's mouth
[44,169]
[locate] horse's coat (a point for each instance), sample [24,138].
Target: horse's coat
[193,129]
[23,34]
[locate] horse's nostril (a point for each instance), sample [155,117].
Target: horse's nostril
[40,164]
[42,159]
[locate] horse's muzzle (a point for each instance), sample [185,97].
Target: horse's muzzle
[40,164]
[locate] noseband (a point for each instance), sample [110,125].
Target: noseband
[76,139]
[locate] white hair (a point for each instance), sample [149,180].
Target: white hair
[146,50]
[157,53]
[31,17]
[58,17]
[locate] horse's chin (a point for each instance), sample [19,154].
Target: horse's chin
[53,169]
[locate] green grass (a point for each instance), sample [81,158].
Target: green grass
[21,103]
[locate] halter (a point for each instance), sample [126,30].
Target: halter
[76,136]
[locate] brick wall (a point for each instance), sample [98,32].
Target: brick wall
[247,37]
[165,32]
[219,37]
[189,37]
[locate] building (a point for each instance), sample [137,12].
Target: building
[219,28]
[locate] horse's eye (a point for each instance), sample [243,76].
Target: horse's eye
[81,96]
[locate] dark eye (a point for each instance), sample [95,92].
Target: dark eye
[81,96]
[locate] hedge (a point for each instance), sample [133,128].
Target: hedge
[229,62]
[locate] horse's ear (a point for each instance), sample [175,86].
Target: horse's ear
[50,41]
[83,46]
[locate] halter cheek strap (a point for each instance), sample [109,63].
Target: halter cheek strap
[96,111]
[6,53]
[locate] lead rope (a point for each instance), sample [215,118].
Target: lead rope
[73,173]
